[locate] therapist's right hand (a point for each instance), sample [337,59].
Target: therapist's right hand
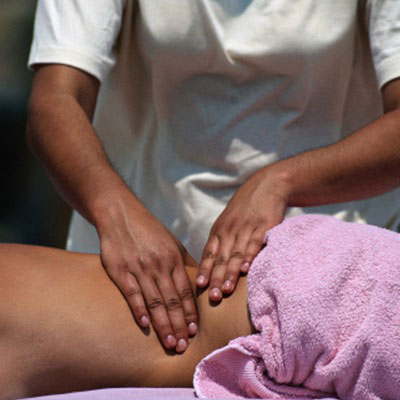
[147,264]
[142,258]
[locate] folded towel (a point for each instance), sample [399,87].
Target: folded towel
[324,296]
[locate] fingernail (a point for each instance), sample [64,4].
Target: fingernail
[227,285]
[216,293]
[171,341]
[245,267]
[192,328]
[201,280]
[144,321]
[181,345]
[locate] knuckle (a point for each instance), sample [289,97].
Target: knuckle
[180,331]
[106,246]
[173,256]
[237,255]
[151,266]
[224,230]
[221,260]
[114,263]
[216,226]
[132,292]
[165,261]
[257,242]
[143,262]
[116,272]
[155,303]
[173,304]
[190,316]
[153,256]
[139,311]
[107,258]
[216,283]
[186,293]
[258,221]
[156,269]
[205,270]
[219,232]
[158,257]
[150,259]
[164,329]
[235,224]
[251,254]
[231,276]
[209,255]
[247,224]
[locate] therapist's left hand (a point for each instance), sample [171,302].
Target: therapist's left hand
[237,235]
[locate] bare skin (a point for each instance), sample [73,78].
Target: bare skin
[142,258]
[364,164]
[66,327]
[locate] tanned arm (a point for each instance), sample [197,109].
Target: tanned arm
[362,165]
[139,254]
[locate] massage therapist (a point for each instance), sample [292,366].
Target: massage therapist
[212,120]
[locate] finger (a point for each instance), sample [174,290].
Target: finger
[255,245]
[236,261]
[159,315]
[207,261]
[131,291]
[174,309]
[220,267]
[185,292]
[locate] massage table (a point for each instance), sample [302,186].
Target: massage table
[129,394]
[125,394]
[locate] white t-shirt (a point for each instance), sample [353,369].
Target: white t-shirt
[198,95]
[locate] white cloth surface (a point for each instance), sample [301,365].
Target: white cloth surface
[197,95]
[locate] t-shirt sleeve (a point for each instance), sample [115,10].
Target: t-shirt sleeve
[383,20]
[79,33]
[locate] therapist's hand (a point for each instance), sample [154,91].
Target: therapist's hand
[147,264]
[237,235]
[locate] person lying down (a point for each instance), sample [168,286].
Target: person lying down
[324,302]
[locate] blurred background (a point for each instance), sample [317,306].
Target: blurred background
[30,209]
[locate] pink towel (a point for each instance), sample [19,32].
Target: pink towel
[324,296]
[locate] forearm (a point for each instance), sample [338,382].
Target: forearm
[365,164]
[60,132]
[62,137]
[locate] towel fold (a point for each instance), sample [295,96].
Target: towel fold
[324,296]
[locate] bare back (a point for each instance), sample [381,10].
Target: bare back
[67,327]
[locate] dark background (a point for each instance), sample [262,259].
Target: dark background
[30,209]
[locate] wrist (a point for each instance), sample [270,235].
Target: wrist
[278,181]
[110,204]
